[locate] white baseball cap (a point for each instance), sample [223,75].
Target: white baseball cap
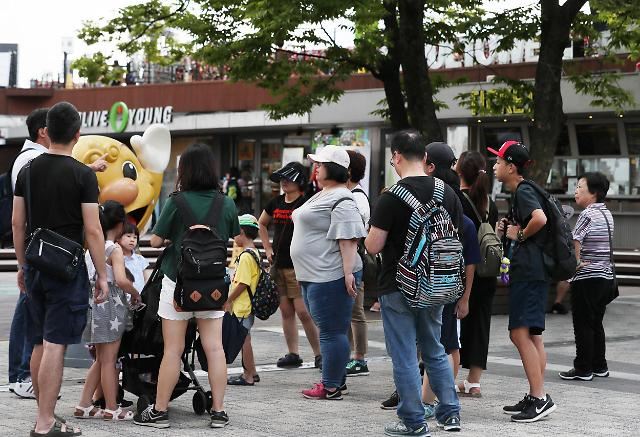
[337,155]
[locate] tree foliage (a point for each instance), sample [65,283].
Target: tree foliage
[290,48]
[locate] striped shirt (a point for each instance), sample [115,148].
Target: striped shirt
[591,231]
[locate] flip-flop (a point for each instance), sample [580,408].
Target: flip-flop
[466,392]
[239,380]
[57,431]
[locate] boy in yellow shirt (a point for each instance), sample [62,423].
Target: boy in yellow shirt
[245,278]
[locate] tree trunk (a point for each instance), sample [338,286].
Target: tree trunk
[389,69]
[417,85]
[549,118]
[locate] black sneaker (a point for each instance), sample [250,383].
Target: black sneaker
[290,360]
[317,362]
[151,417]
[519,407]
[357,368]
[125,403]
[333,395]
[392,402]
[574,375]
[535,410]
[219,419]
[343,388]
[558,308]
[602,373]
[451,423]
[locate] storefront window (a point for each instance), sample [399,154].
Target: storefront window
[615,169]
[495,136]
[270,161]
[633,138]
[597,139]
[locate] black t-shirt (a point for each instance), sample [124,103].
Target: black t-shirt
[469,212]
[280,212]
[392,215]
[59,185]
[527,263]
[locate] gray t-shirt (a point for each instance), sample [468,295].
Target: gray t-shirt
[315,250]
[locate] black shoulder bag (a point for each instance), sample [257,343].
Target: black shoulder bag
[614,287]
[47,251]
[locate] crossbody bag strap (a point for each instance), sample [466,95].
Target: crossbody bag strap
[475,210]
[613,266]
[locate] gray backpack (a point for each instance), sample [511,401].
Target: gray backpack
[490,245]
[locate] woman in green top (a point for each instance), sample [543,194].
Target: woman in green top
[199,185]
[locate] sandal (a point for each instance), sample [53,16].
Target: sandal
[465,390]
[90,412]
[117,415]
[239,380]
[58,430]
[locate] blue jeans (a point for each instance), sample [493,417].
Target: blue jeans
[330,307]
[20,345]
[404,329]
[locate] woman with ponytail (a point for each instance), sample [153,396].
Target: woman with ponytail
[475,328]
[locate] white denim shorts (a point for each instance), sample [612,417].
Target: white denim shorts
[166,310]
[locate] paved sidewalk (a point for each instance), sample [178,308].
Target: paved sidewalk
[275,407]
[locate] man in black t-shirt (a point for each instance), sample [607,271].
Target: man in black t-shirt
[529,282]
[404,325]
[64,199]
[293,180]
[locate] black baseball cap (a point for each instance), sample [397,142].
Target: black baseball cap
[293,171]
[514,152]
[440,154]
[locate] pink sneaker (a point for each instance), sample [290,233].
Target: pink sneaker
[319,392]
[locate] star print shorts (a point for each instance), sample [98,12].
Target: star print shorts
[56,310]
[106,321]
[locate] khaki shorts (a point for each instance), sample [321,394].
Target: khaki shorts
[287,284]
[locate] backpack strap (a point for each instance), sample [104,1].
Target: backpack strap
[215,211]
[475,210]
[185,211]
[360,190]
[438,190]
[405,195]
[257,260]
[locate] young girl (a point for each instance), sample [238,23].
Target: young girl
[106,323]
[136,263]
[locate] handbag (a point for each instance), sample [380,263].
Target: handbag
[47,251]
[614,287]
[233,335]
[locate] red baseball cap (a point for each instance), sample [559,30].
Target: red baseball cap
[513,152]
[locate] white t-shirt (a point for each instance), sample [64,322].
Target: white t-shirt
[136,264]
[363,204]
[25,157]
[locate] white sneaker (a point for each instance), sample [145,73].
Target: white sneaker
[12,386]
[24,389]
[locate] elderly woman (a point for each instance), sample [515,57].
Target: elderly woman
[592,284]
[323,250]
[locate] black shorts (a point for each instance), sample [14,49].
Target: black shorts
[449,332]
[56,310]
[527,302]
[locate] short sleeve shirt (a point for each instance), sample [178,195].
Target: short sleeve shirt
[59,187]
[280,212]
[136,264]
[247,273]
[171,227]
[318,227]
[392,215]
[592,233]
[527,262]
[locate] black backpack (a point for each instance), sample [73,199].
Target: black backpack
[202,283]
[558,249]
[6,204]
[265,299]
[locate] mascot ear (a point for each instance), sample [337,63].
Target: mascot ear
[153,148]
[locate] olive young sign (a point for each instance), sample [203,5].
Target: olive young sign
[120,117]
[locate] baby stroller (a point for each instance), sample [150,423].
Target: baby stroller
[142,350]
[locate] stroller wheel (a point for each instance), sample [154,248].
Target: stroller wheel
[199,402]
[143,402]
[209,401]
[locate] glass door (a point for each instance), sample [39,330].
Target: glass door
[270,161]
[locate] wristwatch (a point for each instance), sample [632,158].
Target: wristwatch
[520,236]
